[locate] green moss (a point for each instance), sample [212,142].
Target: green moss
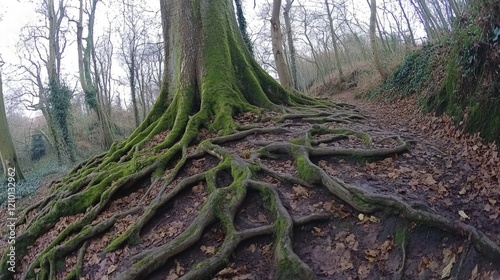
[304,170]
[484,117]
[297,141]
[290,269]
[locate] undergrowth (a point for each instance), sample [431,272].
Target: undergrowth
[459,75]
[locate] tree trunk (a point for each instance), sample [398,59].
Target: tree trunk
[8,155]
[277,42]
[412,37]
[59,95]
[373,41]
[334,42]
[88,85]
[291,46]
[133,90]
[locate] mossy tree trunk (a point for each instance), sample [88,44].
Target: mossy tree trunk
[8,154]
[59,95]
[92,96]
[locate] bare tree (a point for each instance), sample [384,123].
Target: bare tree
[373,41]
[41,49]
[89,86]
[131,32]
[336,50]
[277,40]
[291,46]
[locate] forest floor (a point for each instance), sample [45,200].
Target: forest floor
[445,172]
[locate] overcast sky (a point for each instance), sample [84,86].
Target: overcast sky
[13,16]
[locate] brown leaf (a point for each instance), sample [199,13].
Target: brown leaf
[487,208]
[445,273]
[300,191]
[252,248]
[462,191]
[208,250]
[111,269]
[429,180]
[474,275]
[364,271]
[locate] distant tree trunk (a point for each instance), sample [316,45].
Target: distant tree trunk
[291,46]
[412,37]
[59,95]
[373,41]
[133,94]
[277,42]
[426,18]
[88,85]
[334,42]
[8,154]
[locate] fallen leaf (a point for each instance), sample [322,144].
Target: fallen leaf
[209,250]
[463,215]
[252,248]
[111,269]
[487,208]
[364,271]
[317,232]
[474,275]
[228,271]
[447,269]
[429,180]
[361,216]
[374,219]
[300,191]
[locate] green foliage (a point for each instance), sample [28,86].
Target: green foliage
[41,170]
[242,24]
[59,104]
[38,147]
[91,98]
[411,75]
[470,79]
[59,101]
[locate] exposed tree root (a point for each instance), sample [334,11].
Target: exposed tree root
[89,190]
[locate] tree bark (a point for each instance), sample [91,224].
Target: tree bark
[373,41]
[291,46]
[334,42]
[88,85]
[59,95]
[8,154]
[277,42]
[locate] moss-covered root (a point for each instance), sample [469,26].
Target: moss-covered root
[287,264]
